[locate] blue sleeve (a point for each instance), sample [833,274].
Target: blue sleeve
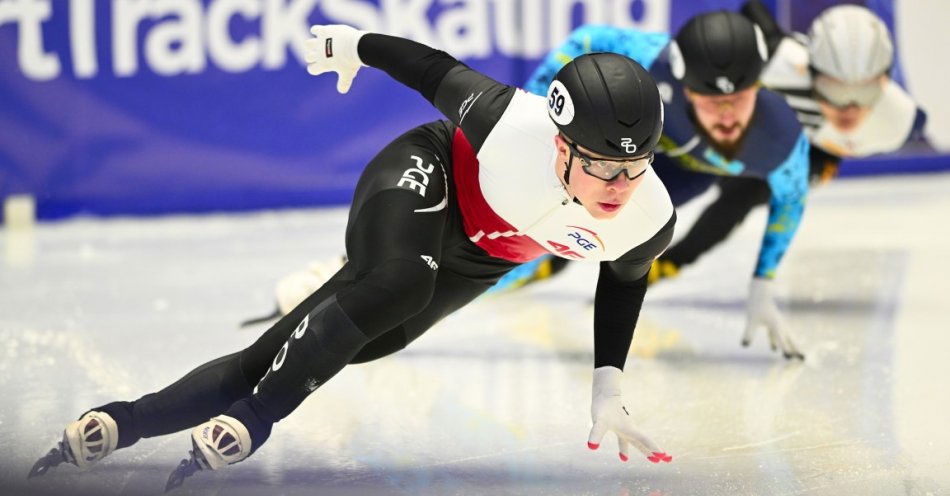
[916,134]
[789,183]
[642,47]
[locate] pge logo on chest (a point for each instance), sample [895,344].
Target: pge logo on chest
[586,239]
[582,238]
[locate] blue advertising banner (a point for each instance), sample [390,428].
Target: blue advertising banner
[158,106]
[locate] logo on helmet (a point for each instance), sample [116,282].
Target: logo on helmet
[628,145]
[725,85]
[560,105]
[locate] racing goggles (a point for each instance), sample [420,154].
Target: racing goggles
[840,94]
[608,170]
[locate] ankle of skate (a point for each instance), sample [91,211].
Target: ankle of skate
[90,439]
[221,441]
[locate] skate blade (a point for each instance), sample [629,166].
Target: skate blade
[795,355]
[50,460]
[260,320]
[185,469]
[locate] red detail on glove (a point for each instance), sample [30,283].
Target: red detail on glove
[624,457]
[660,457]
[592,446]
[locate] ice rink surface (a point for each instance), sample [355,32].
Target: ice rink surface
[496,398]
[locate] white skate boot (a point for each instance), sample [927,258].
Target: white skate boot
[217,443]
[85,442]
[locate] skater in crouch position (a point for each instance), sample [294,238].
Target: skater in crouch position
[720,124]
[438,216]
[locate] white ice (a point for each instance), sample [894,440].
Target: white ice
[495,399]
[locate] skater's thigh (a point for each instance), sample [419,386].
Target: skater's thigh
[400,206]
[452,292]
[383,225]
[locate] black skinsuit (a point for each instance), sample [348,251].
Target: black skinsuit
[410,263]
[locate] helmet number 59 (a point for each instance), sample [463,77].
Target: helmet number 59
[556,101]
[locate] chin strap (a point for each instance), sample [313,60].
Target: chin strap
[567,180]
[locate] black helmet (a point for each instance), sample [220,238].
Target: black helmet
[718,53]
[608,104]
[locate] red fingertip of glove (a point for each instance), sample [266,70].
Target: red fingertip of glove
[658,457]
[624,457]
[592,446]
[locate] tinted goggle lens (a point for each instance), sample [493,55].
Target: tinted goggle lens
[842,94]
[608,170]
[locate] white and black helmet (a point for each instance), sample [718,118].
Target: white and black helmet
[850,44]
[607,103]
[718,53]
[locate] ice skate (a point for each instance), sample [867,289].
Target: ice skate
[216,443]
[85,442]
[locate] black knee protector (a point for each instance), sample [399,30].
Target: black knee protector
[322,344]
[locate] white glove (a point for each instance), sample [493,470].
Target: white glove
[762,311]
[609,414]
[333,48]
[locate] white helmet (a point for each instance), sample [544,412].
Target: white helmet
[850,43]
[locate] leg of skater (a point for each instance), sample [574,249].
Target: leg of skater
[737,197]
[394,243]
[211,388]
[205,391]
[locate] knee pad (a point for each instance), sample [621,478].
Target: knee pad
[323,343]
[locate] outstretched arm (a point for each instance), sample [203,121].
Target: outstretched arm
[466,97]
[642,47]
[789,184]
[621,287]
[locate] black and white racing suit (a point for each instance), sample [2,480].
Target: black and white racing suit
[439,215]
